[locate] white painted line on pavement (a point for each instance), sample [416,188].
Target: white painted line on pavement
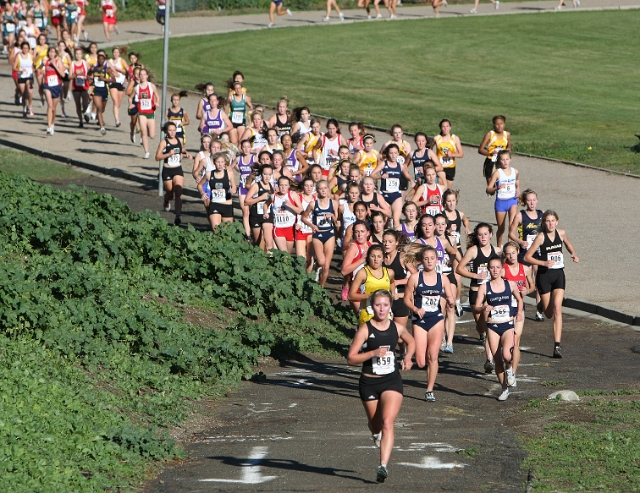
[429,462]
[250,469]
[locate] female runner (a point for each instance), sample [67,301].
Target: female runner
[355,143]
[179,116]
[134,80]
[423,156]
[404,147]
[101,74]
[323,223]
[506,182]
[201,164]
[523,230]
[446,263]
[53,71]
[82,15]
[296,163]
[273,141]
[147,97]
[170,152]
[347,216]
[80,83]
[203,105]
[215,121]
[329,145]
[9,27]
[116,86]
[109,10]
[40,54]
[493,142]
[259,199]
[455,221]
[303,123]
[91,58]
[390,172]
[221,186]
[394,260]
[367,158]
[307,145]
[408,226]
[550,280]
[380,383]
[448,148]
[494,302]
[333,3]
[238,104]
[65,55]
[375,201]
[479,251]
[378,226]
[304,232]
[355,257]
[280,121]
[245,163]
[255,133]
[340,181]
[23,64]
[522,276]
[422,296]
[275,7]
[428,196]
[286,206]
[361,214]
[372,277]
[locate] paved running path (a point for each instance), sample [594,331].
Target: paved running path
[606,275]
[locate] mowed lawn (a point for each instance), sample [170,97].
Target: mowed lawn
[568,83]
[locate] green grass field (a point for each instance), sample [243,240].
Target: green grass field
[567,83]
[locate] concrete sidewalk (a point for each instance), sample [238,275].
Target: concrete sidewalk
[606,274]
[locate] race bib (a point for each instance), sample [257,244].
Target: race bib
[393,185]
[558,260]
[74,15]
[324,221]
[328,162]
[80,81]
[514,301]
[432,210]
[430,304]
[52,80]
[39,23]
[283,219]
[11,28]
[55,13]
[444,264]
[174,160]
[483,270]
[237,117]
[98,82]
[456,235]
[530,239]
[219,195]
[243,180]
[120,78]
[508,191]
[384,365]
[400,160]
[500,314]
[446,161]
[145,104]
[25,74]
[494,158]
[368,170]
[260,207]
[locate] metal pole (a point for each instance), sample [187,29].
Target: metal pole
[163,103]
[124,4]
[173,7]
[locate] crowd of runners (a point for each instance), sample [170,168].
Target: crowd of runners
[387,210]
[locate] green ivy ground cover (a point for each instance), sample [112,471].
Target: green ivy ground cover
[97,356]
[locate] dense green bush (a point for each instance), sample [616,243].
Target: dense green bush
[95,304]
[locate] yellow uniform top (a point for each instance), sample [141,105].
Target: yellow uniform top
[368,161]
[91,59]
[444,148]
[41,54]
[496,142]
[309,145]
[402,146]
[370,285]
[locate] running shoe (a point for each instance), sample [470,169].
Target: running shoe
[167,205]
[146,155]
[86,117]
[24,112]
[118,123]
[379,16]
[557,352]
[341,16]
[497,5]
[474,11]
[177,221]
[49,131]
[392,16]
[271,24]
[86,36]
[504,396]
[368,17]
[539,316]
[326,19]
[64,115]
[289,13]
[31,113]
[443,344]
[511,377]
[429,397]
[115,28]
[558,7]
[344,294]
[459,311]
[377,439]
[448,349]
[318,270]
[445,3]
[489,366]
[41,102]
[103,131]
[576,4]
[133,138]
[81,124]
[381,474]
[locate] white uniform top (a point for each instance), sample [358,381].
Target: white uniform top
[327,159]
[509,191]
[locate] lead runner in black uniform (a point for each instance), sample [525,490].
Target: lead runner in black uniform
[380,382]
